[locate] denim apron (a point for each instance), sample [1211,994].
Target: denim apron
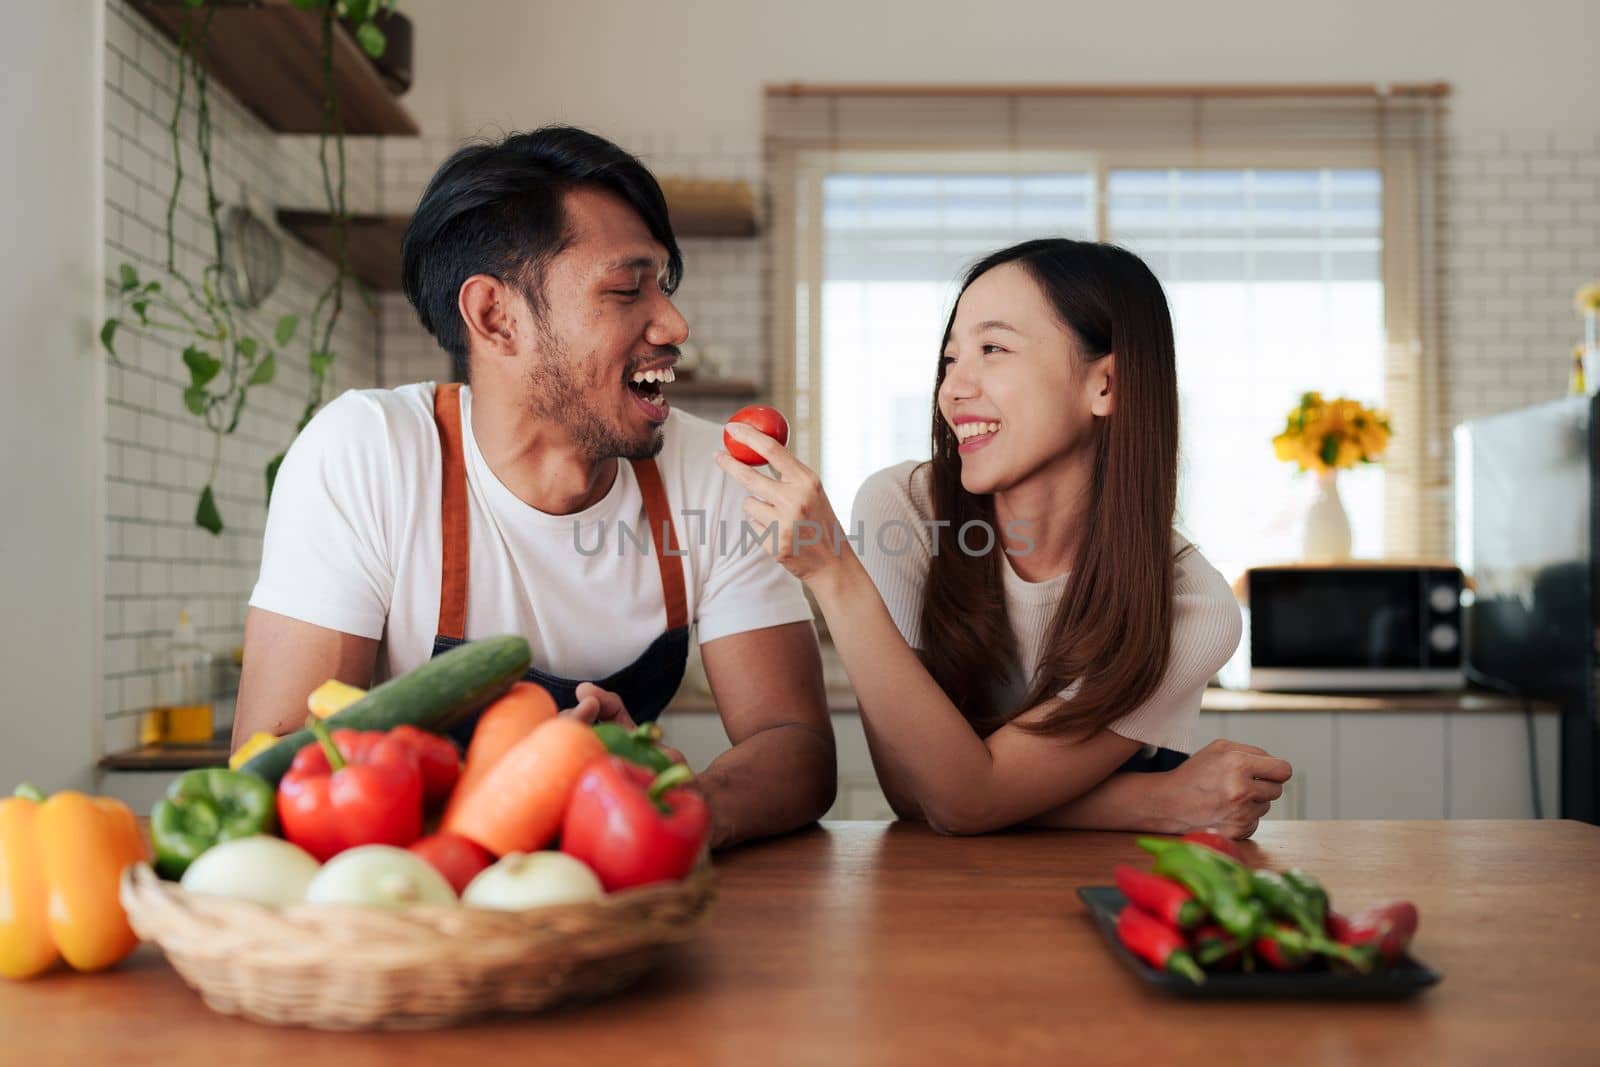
[646,684]
[1152,759]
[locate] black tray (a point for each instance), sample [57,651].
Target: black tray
[1406,978]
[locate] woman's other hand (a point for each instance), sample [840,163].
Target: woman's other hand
[807,540]
[1227,787]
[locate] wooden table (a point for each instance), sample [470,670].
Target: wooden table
[861,943]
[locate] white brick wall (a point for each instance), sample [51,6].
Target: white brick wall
[1523,233]
[157,454]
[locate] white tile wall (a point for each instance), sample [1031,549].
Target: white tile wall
[157,454]
[1523,233]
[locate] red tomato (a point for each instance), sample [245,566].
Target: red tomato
[453,856]
[769,421]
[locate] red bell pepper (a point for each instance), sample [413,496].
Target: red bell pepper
[437,757]
[633,827]
[352,788]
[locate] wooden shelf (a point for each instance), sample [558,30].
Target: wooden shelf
[373,247]
[168,757]
[269,54]
[710,208]
[695,388]
[699,209]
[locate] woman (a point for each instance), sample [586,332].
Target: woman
[1022,621]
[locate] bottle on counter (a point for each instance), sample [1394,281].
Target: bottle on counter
[184,711]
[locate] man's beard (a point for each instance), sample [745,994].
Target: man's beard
[555,391]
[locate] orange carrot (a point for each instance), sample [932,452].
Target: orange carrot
[517,806]
[503,723]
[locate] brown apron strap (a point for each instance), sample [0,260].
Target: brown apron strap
[453,501]
[659,515]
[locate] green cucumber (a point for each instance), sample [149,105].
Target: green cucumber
[449,685]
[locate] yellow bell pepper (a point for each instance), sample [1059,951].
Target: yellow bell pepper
[332,696]
[259,742]
[61,864]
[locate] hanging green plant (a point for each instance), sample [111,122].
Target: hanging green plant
[224,358]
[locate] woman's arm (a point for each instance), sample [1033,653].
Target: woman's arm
[961,783]
[1226,787]
[927,754]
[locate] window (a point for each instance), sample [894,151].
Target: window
[1274,277]
[1297,235]
[894,247]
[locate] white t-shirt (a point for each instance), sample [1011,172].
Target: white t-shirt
[353,543]
[1206,624]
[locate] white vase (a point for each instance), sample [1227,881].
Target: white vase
[1327,535]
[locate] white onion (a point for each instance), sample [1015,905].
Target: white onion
[267,870]
[379,876]
[522,880]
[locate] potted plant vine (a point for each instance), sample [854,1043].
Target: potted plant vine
[224,355]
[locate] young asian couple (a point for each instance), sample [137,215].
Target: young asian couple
[1057,687]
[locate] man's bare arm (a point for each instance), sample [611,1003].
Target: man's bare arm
[781,772]
[284,659]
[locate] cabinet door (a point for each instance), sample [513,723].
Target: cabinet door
[1305,739]
[1389,765]
[1490,775]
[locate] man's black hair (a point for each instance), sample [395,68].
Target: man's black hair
[496,209]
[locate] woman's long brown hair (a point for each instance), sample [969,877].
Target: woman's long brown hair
[1111,633]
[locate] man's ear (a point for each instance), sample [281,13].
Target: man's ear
[1102,382]
[489,309]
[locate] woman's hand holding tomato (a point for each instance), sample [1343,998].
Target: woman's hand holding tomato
[809,540]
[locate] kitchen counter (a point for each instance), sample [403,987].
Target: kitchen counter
[884,944]
[841,701]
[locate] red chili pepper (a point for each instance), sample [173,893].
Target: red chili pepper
[1283,947]
[1215,842]
[633,827]
[437,757]
[1167,900]
[353,788]
[1157,944]
[1214,948]
[1386,929]
[458,858]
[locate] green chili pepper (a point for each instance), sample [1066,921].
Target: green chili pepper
[206,807]
[640,745]
[1236,874]
[1311,890]
[1284,901]
[1216,890]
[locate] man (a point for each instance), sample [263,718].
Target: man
[405,521]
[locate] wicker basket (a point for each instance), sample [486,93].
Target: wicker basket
[338,967]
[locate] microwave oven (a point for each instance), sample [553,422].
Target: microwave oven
[1354,627]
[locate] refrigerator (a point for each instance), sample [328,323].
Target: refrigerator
[1526,519]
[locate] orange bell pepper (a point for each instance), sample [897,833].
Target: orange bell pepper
[61,864]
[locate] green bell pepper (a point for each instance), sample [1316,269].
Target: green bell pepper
[206,807]
[640,745]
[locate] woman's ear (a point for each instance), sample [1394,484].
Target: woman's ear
[1102,381]
[487,309]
